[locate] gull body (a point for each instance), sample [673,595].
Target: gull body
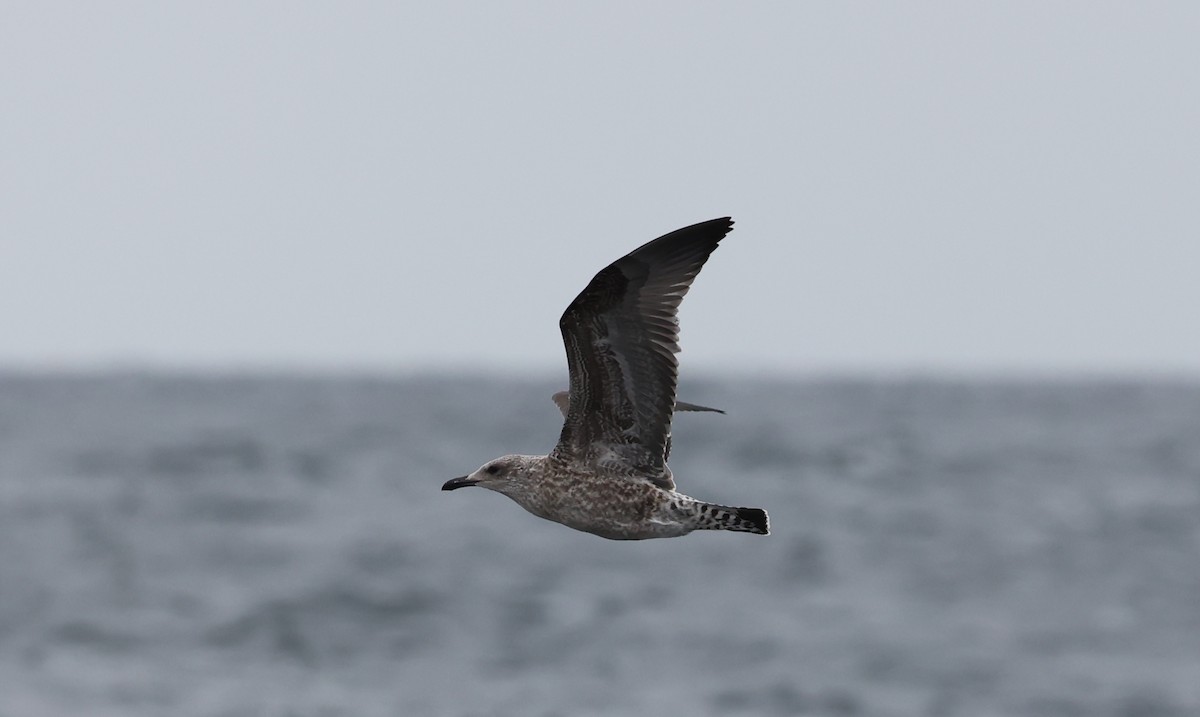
[608,475]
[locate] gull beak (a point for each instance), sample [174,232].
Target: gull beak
[460,482]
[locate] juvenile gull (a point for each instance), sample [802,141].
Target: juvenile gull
[608,475]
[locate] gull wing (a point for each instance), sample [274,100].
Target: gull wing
[621,335]
[562,399]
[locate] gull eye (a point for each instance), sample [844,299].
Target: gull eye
[491,470]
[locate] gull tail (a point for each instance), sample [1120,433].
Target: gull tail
[723,517]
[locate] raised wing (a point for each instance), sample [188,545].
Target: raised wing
[621,335]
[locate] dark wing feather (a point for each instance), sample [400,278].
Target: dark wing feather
[621,335]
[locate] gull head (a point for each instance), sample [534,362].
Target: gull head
[510,475]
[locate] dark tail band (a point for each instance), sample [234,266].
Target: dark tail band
[723,517]
[756,518]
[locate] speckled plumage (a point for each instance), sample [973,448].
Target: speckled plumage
[608,475]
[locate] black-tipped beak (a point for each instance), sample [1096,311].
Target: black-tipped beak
[460,482]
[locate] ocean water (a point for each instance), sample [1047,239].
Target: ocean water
[250,546]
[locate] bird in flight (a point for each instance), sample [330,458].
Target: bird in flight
[608,475]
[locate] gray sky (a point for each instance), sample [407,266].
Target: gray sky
[398,186]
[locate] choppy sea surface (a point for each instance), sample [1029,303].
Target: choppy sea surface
[232,546]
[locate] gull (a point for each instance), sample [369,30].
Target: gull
[608,474]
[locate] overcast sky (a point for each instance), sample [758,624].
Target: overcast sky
[401,186]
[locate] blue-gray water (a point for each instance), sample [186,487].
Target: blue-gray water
[246,546]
